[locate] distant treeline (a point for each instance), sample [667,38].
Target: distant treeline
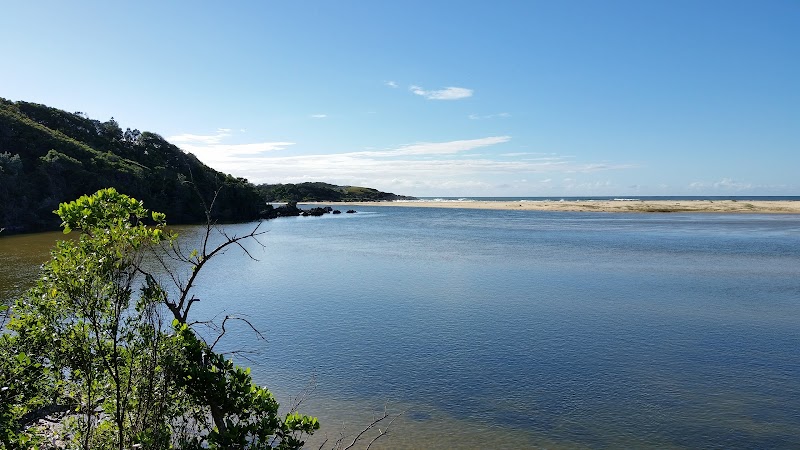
[49,156]
[323,192]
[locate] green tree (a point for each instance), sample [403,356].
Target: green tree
[91,338]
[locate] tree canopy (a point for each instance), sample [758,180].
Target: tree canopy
[323,192]
[101,341]
[49,156]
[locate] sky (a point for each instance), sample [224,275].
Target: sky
[436,98]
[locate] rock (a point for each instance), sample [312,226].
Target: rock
[291,210]
[316,212]
[351,211]
[288,210]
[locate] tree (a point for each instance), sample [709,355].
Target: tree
[92,338]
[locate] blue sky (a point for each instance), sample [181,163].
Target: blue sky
[437,98]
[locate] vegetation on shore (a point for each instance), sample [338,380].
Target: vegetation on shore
[49,156]
[100,340]
[324,192]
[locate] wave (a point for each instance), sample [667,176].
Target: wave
[437,200]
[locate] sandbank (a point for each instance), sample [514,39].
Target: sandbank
[628,206]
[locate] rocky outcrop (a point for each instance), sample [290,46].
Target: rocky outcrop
[291,210]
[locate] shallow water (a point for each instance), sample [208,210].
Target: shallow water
[510,329]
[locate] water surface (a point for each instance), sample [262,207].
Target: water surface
[512,329]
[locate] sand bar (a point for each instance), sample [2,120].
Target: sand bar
[641,206]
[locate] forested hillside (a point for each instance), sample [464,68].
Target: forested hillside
[48,156]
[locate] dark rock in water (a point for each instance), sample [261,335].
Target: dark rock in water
[351,211]
[291,210]
[336,211]
[316,212]
[288,210]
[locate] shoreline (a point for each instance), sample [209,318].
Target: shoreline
[625,206]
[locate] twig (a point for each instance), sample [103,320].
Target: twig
[311,386]
[384,432]
[225,320]
[367,428]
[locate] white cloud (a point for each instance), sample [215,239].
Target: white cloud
[725,184]
[502,115]
[407,174]
[225,154]
[391,84]
[438,148]
[731,186]
[448,93]
[221,156]
[456,167]
[201,138]
[382,166]
[319,116]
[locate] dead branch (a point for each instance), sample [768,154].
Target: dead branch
[304,395]
[384,432]
[242,319]
[367,428]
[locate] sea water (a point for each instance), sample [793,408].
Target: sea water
[523,329]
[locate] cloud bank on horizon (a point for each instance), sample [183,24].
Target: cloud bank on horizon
[422,168]
[429,169]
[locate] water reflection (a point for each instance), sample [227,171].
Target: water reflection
[20,257]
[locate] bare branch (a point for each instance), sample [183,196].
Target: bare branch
[212,324]
[367,428]
[205,257]
[384,432]
[304,395]
[189,305]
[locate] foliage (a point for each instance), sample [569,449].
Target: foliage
[90,338]
[246,415]
[49,156]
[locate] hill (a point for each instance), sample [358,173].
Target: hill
[49,156]
[324,192]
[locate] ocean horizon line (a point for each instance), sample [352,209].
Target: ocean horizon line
[558,198]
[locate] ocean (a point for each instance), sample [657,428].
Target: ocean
[620,198]
[524,329]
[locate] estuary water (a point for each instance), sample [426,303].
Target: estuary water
[523,329]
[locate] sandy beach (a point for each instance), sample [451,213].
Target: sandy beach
[640,206]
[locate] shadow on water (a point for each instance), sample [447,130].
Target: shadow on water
[20,258]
